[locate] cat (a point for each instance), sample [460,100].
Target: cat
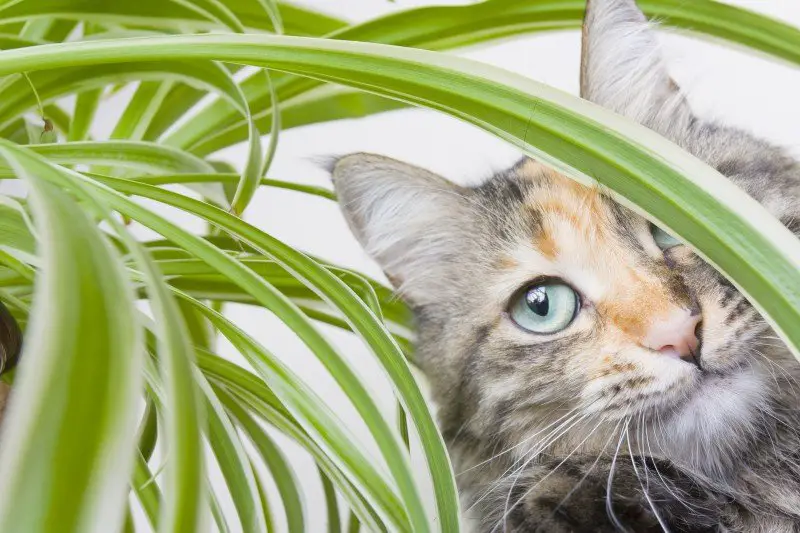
[591,372]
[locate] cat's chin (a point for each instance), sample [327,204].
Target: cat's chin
[715,421]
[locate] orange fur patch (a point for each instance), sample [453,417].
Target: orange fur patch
[547,245]
[632,311]
[506,262]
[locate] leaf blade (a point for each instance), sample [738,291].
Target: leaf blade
[89,440]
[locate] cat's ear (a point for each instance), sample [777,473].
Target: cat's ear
[411,221]
[622,68]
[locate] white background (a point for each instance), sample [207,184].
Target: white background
[738,87]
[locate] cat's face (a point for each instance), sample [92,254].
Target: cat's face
[535,295]
[587,304]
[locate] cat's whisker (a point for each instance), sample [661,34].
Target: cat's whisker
[508,509]
[642,428]
[521,443]
[793,380]
[534,454]
[588,472]
[530,455]
[609,507]
[645,489]
[664,481]
[513,469]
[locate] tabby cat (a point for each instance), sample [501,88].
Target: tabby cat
[592,373]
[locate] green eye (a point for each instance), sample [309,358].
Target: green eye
[545,307]
[664,240]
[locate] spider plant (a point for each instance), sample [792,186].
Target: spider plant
[120,389]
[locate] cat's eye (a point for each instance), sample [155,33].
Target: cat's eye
[664,240]
[544,308]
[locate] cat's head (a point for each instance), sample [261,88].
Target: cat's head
[536,295]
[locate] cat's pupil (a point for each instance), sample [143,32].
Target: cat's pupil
[537,300]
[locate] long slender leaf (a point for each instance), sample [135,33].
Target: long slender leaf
[444,27]
[339,369]
[303,402]
[255,397]
[361,320]
[233,178]
[310,106]
[148,430]
[182,427]
[331,504]
[233,463]
[85,108]
[68,447]
[141,110]
[18,97]
[285,479]
[157,13]
[135,155]
[146,490]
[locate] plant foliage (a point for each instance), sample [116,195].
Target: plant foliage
[120,377]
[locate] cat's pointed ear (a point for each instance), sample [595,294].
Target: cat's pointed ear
[411,221]
[622,68]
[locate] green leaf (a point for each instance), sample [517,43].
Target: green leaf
[146,490]
[254,396]
[233,462]
[148,430]
[179,395]
[274,14]
[331,288]
[331,504]
[648,173]
[313,106]
[285,479]
[446,27]
[307,407]
[134,155]
[213,10]
[68,447]
[85,108]
[232,178]
[293,317]
[17,96]
[141,110]
[161,14]
[9,41]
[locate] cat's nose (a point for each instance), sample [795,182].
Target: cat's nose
[676,335]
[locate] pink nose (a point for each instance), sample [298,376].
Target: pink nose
[675,335]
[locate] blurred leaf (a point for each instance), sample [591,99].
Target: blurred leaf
[446,27]
[68,447]
[85,108]
[331,504]
[164,14]
[363,322]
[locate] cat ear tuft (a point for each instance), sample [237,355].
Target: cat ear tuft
[408,219]
[622,68]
